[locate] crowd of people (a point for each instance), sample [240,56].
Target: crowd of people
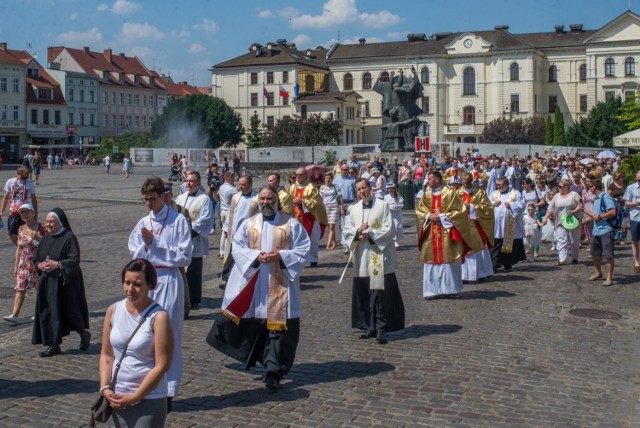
[475,218]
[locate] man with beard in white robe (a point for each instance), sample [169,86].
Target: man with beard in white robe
[376,304]
[509,207]
[261,304]
[164,238]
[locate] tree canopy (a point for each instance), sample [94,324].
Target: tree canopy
[601,124]
[558,128]
[254,137]
[514,131]
[198,121]
[293,131]
[630,113]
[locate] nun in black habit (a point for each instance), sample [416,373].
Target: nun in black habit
[61,304]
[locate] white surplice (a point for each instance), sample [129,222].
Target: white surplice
[516,209]
[294,258]
[171,248]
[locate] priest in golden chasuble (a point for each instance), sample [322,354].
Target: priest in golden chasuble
[444,238]
[309,210]
[477,263]
[285,199]
[262,299]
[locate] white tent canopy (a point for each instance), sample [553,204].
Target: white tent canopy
[631,139]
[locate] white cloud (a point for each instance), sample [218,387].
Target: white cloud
[341,12]
[207,26]
[196,48]
[134,32]
[302,41]
[120,7]
[265,14]
[74,15]
[81,38]
[289,12]
[396,35]
[144,53]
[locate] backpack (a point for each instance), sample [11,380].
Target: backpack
[616,221]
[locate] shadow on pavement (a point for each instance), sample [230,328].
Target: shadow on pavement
[310,286]
[485,294]
[416,331]
[506,277]
[318,278]
[15,388]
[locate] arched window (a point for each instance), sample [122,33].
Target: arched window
[348,82]
[384,76]
[469,81]
[366,81]
[553,73]
[309,83]
[514,71]
[424,75]
[629,67]
[583,72]
[609,67]
[469,117]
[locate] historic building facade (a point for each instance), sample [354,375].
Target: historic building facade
[13,104]
[469,78]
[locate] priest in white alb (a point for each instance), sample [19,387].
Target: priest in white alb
[508,208]
[262,299]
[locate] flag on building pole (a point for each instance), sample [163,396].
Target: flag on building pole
[283,92]
[265,93]
[296,89]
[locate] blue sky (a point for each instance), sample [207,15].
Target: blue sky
[185,38]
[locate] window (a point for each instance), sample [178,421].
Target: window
[254,78]
[105,75]
[122,121]
[535,103]
[347,82]
[33,72]
[3,84]
[424,75]
[469,115]
[609,67]
[129,99]
[269,76]
[81,119]
[514,71]
[144,100]
[105,122]
[71,119]
[121,77]
[4,113]
[91,96]
[121,98]
[609,95]
[469,81]
[16,112]
[113,120]
[426,108]
[270,121]
[629,67]
[45,117]
[144,121]
[583,72]
[137,121]
[285,101]
[366,81]
[105,98]
[34,116]
[113,97]
[309,83]
[553,73]
[136,99]
[129,122]
[57,117]
[303,112]
[515,103]
[136,79]
[81,95]
[367,111]
[629,95]
[384,76]
[70,94]
[16,84]
[150,100]
[583,103]
[285,77]
[270,99]
[553,103]
[254,99]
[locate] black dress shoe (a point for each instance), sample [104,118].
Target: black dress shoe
[271,381]
[368,334]
[381,337]
[50,351]
[313,264]
[85,340]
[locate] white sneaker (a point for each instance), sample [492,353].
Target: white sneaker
[11,319]
[212,231]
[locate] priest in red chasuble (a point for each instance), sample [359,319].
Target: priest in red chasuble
[444,238]
[309,209]
[477,263]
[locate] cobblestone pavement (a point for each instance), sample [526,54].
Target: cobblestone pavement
[506,353]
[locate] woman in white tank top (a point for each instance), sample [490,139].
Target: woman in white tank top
[139,397]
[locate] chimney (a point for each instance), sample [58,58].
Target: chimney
[559,28]
[576,28]
[362,40]
[107,55]
[501,27]
[3,46]
[122,54]
[86,49]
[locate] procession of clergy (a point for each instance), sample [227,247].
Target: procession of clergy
[270,234]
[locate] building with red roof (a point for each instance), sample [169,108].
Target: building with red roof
[13,102]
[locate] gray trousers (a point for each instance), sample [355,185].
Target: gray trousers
[146,414]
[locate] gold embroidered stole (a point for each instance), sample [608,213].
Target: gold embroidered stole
[510,224]
[278,292]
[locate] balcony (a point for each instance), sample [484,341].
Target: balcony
[456,129]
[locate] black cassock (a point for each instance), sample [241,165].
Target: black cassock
[61,303]
[392,304]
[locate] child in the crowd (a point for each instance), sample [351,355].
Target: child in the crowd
[532,231]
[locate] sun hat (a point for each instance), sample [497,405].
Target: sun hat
[569,221]
[26,207]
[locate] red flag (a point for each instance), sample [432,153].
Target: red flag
[283,92]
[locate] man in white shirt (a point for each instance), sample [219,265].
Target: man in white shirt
[632,202]
[225,193]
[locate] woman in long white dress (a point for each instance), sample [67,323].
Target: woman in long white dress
[396,204]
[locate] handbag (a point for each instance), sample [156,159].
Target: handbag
[101,409]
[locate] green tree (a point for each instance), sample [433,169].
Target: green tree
[628,167]
[601,124]
[315,131]
[198,121]
[630,113]
[558,128]
[548,132]
[124,143]
[254,138]
[514,131]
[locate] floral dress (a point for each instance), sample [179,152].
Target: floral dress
[27,276]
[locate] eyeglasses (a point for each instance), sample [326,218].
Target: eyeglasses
[148,200]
